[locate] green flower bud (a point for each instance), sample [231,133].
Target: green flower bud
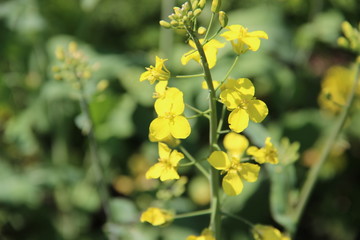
[201,30]
[343,42]
[223,19]
[174,23]
[190,14]
[186,7]
[347,29]
[165,24]
[194,4]
[197,12]
[202,4]
[215,6]
[177,11]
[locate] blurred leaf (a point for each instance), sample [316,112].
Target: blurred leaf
[85,196]
[124,210]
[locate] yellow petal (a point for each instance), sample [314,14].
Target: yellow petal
[259,34]
[169,173]
[232,183]
[211,57]
[219,160]
[175,157]
[249,171]
[230,98]
[156,216]
[155,171]
[160,128]
[233,33]
[164,151]
[259,154]
[171,103]
[257,110]
[180,127]
[235,143]
[252,42]
[245,87]
[144,76]
[193,54]
[238,120]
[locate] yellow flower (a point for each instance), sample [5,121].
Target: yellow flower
[335,88]
[242,40]
[156,216]
[238,97]
[267,154]
[170,120]
[210,49]
[264,232]
[230,164]
[159,72]
[205,235]
[160,89]
[165,169]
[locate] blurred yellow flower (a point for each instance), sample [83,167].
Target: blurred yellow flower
[242,40]
[156,216]
[264,232]
[336,87]
[205,235]
[267,154]
[170,121]
[238,97]
[165,169]
[159,72]
[230,164]
[210,49]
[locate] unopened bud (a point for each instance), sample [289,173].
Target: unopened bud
[186,6]
[347,29]
[190,14]
[194,4]
[174,23]
[215,6]
[197,12]
[177,11]
[202,4]
[223,19]
[201,30]
[165,24]
[343,42]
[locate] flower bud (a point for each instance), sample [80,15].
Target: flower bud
[347,29]
[343,42]
[190,14]
[215,6]
[165,24]
[177,11]
[197,12]
[194,4]
[223,19]
[186,6]
[202,4]
[201,30]
[174,23]
[59,53]
[72,47]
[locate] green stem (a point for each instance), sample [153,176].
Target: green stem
[221,122]
[215,218]
[193,161]
[190,76]
[209,26]
[238,218]
[314,171]
[193,214]
[95,159]
[228,72]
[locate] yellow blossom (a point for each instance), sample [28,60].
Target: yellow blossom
[264,232]
[170,120]
[242,40]
[335,88]
[267,154]
[165,169]
[160,89]
[156,216]
[230,164]
[238,97]
[159,72]
[205,235]
[210,49]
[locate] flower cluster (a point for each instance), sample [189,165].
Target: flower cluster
[230,162]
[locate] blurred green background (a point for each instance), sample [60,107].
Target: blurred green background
[47,187]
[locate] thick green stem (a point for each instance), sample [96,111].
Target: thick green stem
[314,171]
[215,219]
[95,158]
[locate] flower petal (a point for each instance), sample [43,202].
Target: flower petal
[219,160]
[245,87]
[193,54]
[238,120]
[232,183]
[249,171]
[169,173]
[164,151]
[235,143]
[230,98]
[155,171]
[259,34]
[252,42]
[257,110]
[175,157]
[160,128]
[180,127]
